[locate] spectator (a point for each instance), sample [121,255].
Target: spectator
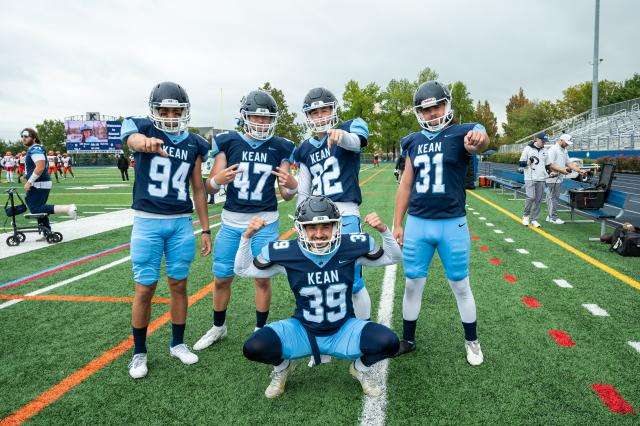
[123,165]
[399,167]
[560,166]
[534,161]
[376,160]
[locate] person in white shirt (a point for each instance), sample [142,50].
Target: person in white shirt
[534,161]
[560,166]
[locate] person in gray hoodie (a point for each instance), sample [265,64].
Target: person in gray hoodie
[534,161]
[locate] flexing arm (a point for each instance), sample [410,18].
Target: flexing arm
[245,265]
[388,254]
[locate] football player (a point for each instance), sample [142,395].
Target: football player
[51,165]
[38,184]
[59,164]
[9,165]
[319,265]
[66,162]
[169,159]
[329,164]
[248,164]
[433,190]
[21,165]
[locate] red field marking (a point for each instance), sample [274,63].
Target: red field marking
[531,302]
[287,234]
[475,238]
[495,261]
[510,278]
[65,385]
[483,248]
[78,298]
[561,338]
[612,399]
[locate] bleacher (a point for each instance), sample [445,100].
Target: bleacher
[614,127]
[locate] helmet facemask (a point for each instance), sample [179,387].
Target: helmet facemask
[322,125]
[259,131]
[170,125]
[440,122]
[320,247]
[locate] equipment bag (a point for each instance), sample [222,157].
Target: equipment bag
[626,243]
[587,199]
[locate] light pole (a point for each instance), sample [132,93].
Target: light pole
[596,61]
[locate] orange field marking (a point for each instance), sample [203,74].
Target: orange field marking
[65,385]
[78,298]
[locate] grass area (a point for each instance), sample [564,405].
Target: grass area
[526,379]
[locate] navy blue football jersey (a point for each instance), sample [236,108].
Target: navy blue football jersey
[253,190]
[322,285]
[440,163]
[162,184]
[335,171]
[36,153]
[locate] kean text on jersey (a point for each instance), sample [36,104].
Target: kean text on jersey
[254,156]
[323,277]
[177,153]
[431,147]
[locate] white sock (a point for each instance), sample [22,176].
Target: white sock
[412,300]
[464,298]
[360,366]
[61,209]
[362,304]
[278,368]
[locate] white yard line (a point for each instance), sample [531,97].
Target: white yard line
[81,276]
[562,283]
[489,224]
[522,251]
[635,345]
[509,240]
[539,265]
[498,231]
[595,309]
[374,409]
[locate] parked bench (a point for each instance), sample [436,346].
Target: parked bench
[512,181]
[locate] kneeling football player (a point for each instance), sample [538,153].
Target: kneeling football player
[319,265]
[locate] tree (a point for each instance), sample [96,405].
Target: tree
[461,103]
[286,127]
[577,98]
[531,118]
[397,118]
[363,103]
[485,116]
[517,101]
[426,74]
[52,135]
[195,130]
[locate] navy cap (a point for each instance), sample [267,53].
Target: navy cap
[543,136]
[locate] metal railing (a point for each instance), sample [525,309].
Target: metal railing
[613,127]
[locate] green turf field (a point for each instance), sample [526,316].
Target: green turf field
[66,353]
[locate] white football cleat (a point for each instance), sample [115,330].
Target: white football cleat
[138,366]
[213,335]
[278,381]
[474,353]
[324,359]
[183,353]
[556,221]
[525,220]
[535,224]
[368,383]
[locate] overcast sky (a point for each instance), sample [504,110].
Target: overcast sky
[65,58]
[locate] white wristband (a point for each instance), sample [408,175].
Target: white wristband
[34,177]
[215,185]
[292,191]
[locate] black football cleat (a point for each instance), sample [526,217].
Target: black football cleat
[405,347]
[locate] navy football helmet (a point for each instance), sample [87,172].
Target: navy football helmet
[314,210]
[430,94]
[169,95]
[259,102]
[320,97]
